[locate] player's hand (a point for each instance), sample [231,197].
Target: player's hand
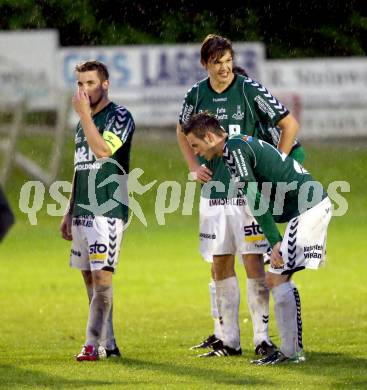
[65,227]
[202,174]
[276,259]
[81,102]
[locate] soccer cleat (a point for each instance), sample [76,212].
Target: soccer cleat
[220,350]
[88,353]
[207,343]
[266,348]
[278,357]
[104,353]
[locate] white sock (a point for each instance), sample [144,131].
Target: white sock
[288,320]
[258,304]
[228,301]
[214,310]
[99,310]
[107,338]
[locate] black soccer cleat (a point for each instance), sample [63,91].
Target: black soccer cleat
[220,350]
[104,353]
[265,348]
[278,357]
[113,353]
[207,343]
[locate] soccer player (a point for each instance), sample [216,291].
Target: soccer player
[278,189]
[227,228]
[6,216]
[102,150]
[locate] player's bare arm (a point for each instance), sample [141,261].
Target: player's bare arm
[95,141]
[203,174]
[289,126]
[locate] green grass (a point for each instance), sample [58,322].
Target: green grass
[161,296]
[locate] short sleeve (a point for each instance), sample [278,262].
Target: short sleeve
[266,105]
[121,124]
[188,105]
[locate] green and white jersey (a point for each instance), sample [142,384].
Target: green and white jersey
[245,107]
[106,178]
[277,187]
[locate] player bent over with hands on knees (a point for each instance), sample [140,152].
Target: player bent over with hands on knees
[102,150]
[227,228]
[294,197]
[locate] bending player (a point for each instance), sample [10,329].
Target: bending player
[293,197]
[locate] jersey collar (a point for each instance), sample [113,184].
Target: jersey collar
[229,86]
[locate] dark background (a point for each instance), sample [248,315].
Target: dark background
[289,29]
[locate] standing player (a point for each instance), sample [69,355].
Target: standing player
[294,197]
[242,106]
[105,130]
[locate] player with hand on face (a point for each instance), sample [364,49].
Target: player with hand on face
[102,150]
[294,198]
[227,228]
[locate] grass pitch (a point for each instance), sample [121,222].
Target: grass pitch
[161,295]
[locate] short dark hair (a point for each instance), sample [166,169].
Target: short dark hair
[200,124]
[100,67]
[214,47]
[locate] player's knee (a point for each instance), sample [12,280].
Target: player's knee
[224,271]
[269,280]
[254,265]
[273,280]
[102,278]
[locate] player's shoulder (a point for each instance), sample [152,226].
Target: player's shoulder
[249,83]
[239,140]
[119,108]
[120,111]
[197,86]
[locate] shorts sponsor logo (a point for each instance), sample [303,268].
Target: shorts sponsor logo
[97,248]
[76,253]
[261,245]
[226,201]
[87,222]
[208,236]
[97,261]
[253,233]
[313,251]
[98,256]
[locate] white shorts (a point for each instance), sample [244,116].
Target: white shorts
[304,242]
[96,243]
[227,227]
